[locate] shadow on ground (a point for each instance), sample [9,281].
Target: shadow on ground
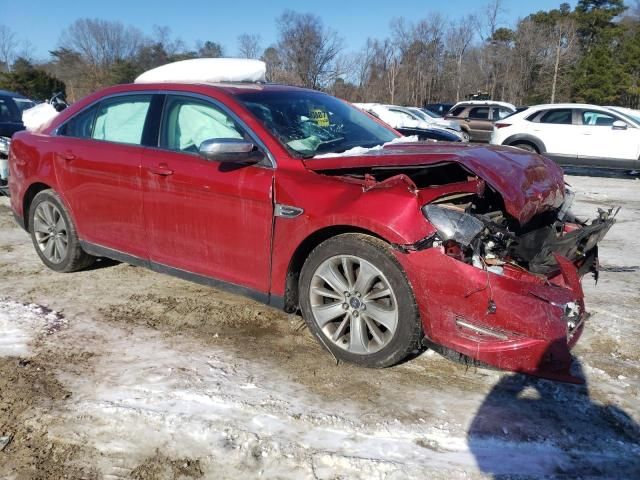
[529,426]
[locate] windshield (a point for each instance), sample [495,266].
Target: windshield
[630,114]
[312,123]
[429,113]
[423,116]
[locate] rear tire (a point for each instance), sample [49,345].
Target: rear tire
[525,146]
[357,301]
[54,235]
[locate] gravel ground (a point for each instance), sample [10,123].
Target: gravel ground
[119,372]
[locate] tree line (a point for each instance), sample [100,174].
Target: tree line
[590,53]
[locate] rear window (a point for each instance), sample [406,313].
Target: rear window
[560,116]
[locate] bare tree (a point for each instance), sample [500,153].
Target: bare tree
[564,37]
[249,45]
[100,44]
[308,49]
[459,38]
[162,35]
[8,44]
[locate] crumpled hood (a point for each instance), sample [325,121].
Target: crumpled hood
[528,183]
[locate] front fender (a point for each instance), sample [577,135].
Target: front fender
[391,212]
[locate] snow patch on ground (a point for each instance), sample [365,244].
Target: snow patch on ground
[20,324]
[148,393]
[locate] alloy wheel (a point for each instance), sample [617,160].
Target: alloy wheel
[353,304]
[51,232]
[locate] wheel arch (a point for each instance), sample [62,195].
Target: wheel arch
[526,138]
[29,195]
[302,252]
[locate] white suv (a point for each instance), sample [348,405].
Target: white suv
[574,134]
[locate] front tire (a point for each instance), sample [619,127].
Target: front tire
[525,146]
[357,301]
[54,234]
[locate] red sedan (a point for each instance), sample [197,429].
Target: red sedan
[298,199]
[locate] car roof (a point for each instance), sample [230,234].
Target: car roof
[566,105]
[7,93]
[489,103]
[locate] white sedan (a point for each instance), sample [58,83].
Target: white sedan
[574,135]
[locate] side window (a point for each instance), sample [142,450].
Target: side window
[479,113]
[560,116]
[122,119]
[80,125]
[188,122]
[598,119]
[456,111]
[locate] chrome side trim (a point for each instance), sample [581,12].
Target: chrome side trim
[481,330]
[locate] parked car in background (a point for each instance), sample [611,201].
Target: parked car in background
[476,117]
[411,123]
[574,135]
[11,107]
[439,109]
[433,120]
[300,200]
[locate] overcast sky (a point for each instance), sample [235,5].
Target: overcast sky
[40,23]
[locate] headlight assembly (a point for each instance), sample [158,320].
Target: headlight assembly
[453,224]
[4,145]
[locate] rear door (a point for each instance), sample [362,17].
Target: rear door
[209,218]
[98,158]
[605,145]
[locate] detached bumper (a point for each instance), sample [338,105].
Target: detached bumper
[515,321]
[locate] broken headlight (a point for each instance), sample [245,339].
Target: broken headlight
[453,224]
[4,146]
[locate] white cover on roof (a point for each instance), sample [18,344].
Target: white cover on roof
[38,117]
[207,70]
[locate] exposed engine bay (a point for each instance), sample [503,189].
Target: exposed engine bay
[473,225]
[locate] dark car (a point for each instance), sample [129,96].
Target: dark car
[11,107]
[439,134]
[301,200]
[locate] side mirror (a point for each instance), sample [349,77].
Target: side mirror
[229,150]
[619,125]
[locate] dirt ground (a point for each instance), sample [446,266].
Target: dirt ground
[126,373]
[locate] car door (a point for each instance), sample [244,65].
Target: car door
[209,218]
[97,155]
[606,145]
[557,129]
[480,124]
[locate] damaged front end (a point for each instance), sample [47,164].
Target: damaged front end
[541,261]
[498,279]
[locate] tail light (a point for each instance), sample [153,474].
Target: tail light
[501,125]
